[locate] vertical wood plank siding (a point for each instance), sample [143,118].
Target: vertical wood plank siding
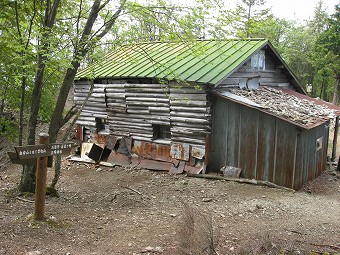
[133,109]
[265,147]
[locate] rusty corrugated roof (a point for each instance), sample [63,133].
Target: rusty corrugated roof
[291,106]
[202,61]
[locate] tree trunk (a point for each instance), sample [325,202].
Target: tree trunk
[22,104]
[27,182]
[81,50]
[57,116]
[336,91]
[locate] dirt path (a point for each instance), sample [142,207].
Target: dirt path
[125,211]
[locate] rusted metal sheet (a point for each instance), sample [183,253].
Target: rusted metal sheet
[180,151]
[79,133]
[197,152]
[194,170]
[155,165]
[101,139]
[152,150]
[111,142]
[177,167]
[119,159]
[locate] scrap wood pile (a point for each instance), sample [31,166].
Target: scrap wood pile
[296,109]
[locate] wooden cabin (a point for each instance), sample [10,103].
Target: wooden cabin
[199,106]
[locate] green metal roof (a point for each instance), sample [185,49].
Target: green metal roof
[203,61]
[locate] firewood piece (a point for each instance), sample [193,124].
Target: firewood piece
[241,180]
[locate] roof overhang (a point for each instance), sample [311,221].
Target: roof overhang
[293,107]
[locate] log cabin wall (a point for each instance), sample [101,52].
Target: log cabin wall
[142,111]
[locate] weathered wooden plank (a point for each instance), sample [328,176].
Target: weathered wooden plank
[79,98]
[113,86]
[190,109]
[136,137]
[86,119]
[115,95]
[114,120]
[186,90]
[137,107]
[98,95]
[85,123]
[189,132]
[144,85]
[190,120]
[134,128]
[190,97]
[91,106]
[198,115]
[182,139]
[273,80]
[144,111]
[99,85]
[143,90]
[116,104]
[186,103]
[115,90]
[98,90]
[116,109]
[98,115]
[143,116]
[156,95]
[159,109]
[146,99]
[140,134]
[188,125]
[148,103]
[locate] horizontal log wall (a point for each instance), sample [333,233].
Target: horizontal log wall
[133,109]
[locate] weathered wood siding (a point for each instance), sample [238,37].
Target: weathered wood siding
[265,147]
[133,109]
[273,75]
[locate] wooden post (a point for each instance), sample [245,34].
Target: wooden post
[40,185]
[335,138]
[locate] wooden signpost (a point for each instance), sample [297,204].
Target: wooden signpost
[38,155]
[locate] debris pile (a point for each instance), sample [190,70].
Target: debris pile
[298,110]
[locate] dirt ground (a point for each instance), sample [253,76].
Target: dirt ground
[118,210]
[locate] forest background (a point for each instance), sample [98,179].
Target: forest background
[44,43]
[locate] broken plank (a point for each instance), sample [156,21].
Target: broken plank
[241,180]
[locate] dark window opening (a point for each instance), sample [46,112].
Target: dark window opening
[101,124]
[161,132]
